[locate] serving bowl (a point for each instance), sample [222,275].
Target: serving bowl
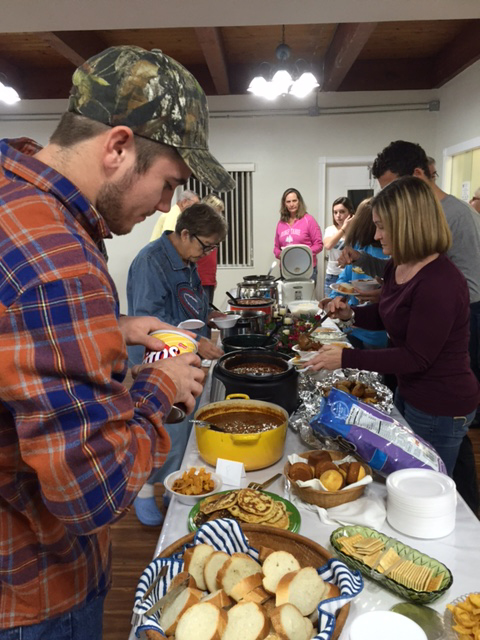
[190,499]
[227,322]
[304,307]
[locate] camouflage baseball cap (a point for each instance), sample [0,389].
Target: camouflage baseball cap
[156,97]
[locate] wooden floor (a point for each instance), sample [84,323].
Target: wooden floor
[133,548]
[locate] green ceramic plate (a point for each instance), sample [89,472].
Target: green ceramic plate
[404,551]
[293,514]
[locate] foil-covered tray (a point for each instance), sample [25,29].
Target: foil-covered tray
[313,387]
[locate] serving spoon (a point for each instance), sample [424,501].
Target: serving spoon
[234,300]
[203,424]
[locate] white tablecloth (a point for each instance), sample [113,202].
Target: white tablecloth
[459,551]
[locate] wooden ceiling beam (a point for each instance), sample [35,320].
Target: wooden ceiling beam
[389,75]
[347,43]
[75,46]
[210,40]
[459,54]
[45,84]
[11,76]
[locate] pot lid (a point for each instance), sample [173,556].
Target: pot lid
[296,262]
[252,279]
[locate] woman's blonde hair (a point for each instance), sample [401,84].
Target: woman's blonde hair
[214,201]
[413,218]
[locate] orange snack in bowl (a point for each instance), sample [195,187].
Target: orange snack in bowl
[300,471]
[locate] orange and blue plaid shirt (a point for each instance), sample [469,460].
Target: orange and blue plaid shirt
[75,445]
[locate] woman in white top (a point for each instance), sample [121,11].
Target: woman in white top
[342,213]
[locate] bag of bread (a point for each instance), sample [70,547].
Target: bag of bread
[380,440]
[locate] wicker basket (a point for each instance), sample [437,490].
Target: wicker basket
[325,499]
[307,552]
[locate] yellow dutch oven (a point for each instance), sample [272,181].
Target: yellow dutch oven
[255,450]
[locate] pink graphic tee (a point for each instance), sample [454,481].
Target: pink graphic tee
[303,231]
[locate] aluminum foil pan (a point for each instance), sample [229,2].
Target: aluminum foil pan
[313,387]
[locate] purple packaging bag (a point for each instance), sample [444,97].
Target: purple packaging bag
[378,439]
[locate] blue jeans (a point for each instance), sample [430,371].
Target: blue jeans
[81,624]
[329,279]
[444,433]
[179,434]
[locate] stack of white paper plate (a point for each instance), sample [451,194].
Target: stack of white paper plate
[421,503]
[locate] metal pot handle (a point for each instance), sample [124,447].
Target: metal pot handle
[240,396]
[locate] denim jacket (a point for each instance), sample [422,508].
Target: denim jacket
[160,284]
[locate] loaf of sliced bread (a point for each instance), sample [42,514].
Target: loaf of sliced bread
[289,624]
[172,613]
[247,621]
[276,565]
[194,562]
[213,564]
[219,598]
[203,621]
[243,588]
[303,588]
[235,569]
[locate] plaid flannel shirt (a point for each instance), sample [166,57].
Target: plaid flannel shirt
[75,444]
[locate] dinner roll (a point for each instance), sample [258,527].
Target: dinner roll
[300,471]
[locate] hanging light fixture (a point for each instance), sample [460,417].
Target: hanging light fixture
[283,78]
[7,93]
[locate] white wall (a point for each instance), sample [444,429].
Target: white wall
[459,116]
[285,149]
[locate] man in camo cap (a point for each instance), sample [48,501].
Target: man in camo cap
[78,444]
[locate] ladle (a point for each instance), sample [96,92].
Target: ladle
[234,300]
[274,264]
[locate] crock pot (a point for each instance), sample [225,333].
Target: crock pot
[253,304]
[255,450]
[257,287]
[248,341]
[279,388]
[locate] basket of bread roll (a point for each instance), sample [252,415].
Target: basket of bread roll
[327,478]
[232,582]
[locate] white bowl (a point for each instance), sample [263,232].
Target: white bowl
[303,307]
[365,285]
[190,500]
[227,322]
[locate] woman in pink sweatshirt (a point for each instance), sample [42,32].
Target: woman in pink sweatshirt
[296,226]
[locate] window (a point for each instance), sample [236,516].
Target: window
[237,248]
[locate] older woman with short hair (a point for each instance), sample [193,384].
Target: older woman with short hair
[163,281]
[424,307]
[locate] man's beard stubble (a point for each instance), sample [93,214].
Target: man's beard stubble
[110,204]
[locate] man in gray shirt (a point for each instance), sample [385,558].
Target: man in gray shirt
[403,158]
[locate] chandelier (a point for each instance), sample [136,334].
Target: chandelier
[7,93]
[283,78]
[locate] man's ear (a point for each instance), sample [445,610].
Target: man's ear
[118,149]
[420,173]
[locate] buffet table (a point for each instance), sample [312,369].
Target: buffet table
[458,551]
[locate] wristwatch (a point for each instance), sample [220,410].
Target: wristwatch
[345,324]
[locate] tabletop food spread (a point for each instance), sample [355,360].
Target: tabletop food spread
[318,550]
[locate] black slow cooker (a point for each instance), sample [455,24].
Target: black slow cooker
[248,341]
[279,386]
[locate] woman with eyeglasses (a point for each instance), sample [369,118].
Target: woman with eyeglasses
[163,281]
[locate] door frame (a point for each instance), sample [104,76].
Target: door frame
[447,159]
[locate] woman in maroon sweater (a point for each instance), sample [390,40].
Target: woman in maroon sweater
[424,307]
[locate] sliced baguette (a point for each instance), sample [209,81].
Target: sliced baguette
[258,595]
[242,588]
[263,553]
[219,598]
[213,564]
[180,577]
[203,621]
[235,569]
[276,565]
[194,560]
[172,613]
[247,621]
[289,624]
[303,588]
